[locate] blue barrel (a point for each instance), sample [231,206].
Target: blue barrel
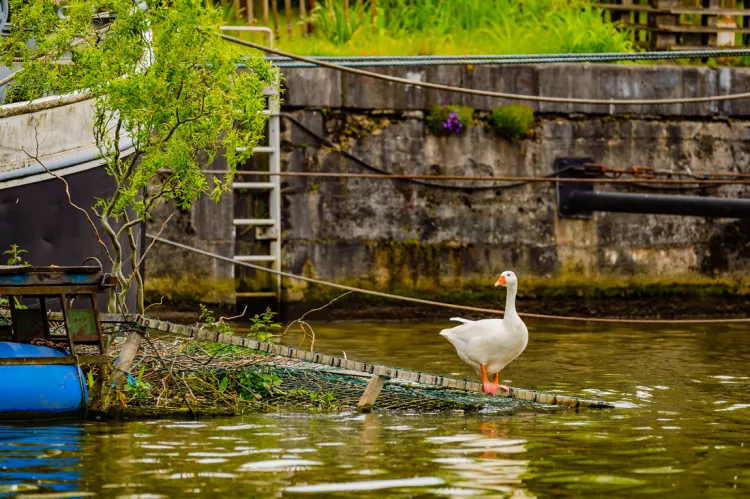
[39,388]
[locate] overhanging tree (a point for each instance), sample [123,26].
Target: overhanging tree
[160,75]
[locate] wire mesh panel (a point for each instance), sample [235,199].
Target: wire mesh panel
[204,370]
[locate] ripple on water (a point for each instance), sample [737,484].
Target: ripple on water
[453,439]
[212,460]
[664,470]
[279,465]
[457,492]
[453,460]
[367,485]
[219,454]
[734,407]
[187,424]
[494,442]
[239,427]
[142,496]
[200,474]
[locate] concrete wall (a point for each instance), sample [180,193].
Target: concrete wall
[392,234]
[394,231]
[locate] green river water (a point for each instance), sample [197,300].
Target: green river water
[681,429]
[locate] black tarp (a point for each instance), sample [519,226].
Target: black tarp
[38,218]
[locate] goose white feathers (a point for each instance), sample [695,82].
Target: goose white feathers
[491,344]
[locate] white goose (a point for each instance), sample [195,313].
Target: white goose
[491,344]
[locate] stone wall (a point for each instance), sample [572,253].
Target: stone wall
[400,234]
[405,233]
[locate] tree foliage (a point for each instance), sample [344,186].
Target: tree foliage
[160,75]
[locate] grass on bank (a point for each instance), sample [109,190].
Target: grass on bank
[449,27]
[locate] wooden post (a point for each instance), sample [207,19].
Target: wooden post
[711,39]
[275,4]
[250,14]
[303,16]
[45,322]
[288,16]
[125,360]
[663,40]
[311,7]
[66,321]
[621,17]
[265,13]
[371,393]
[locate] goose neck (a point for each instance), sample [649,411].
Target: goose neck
[510,302]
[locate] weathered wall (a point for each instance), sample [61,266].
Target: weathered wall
[394,234]
[399,232]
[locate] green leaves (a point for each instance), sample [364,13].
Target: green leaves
[15,253]
[262,326]
[160,77]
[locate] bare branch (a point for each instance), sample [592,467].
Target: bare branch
[301,319]
[161,302]
[221,319]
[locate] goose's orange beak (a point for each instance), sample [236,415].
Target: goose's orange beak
[500,281]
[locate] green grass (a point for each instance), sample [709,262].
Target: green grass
[449,27]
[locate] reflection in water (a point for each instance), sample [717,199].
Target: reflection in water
[39,458]
[681,430]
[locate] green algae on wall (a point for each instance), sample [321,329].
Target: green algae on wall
[189,290]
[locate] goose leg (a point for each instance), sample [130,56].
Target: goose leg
[487,387]
[496,381]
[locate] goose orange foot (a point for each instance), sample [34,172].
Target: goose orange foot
[490,388]
[497,382]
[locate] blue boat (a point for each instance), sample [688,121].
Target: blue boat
[39,388]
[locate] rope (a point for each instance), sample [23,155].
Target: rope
[487,93]
[585,57]
[447,62]
[522,180]
[385,174]
[437,303]
[637,171]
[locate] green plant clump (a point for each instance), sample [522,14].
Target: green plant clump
[513,122]
[263,325]
[15,254]
[137,389]
[449,120]
[321,401]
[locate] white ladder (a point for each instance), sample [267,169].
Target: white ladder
[265,228]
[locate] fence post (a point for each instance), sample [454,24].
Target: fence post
[303,17]
[265,13]
[250,19]
[311,7]
[288,16]
[275,4]
[663,39]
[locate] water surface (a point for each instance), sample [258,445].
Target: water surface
[680,430]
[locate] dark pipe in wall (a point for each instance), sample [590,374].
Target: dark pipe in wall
[580,199]
[658,204]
